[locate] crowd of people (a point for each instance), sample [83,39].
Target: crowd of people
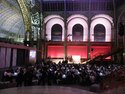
[50,73]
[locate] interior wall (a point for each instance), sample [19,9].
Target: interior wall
[12,55]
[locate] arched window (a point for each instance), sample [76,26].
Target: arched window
[56,34]
[77,33]
[99,33]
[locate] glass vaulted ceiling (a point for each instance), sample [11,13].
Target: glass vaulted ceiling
[11,21]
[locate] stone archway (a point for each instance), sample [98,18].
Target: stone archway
[77,32]
[99,33]
[104,20]
[56,32]
[75,20]
[51,21]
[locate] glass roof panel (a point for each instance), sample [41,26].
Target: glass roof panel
[11,21]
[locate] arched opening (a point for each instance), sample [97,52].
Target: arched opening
[56,34]
[99,33]
[77,33]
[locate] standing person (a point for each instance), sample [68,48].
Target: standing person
[43,77]
[19,78]
[8,76]
[28,76]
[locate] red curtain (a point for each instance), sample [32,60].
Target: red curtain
[58,51]
[55,51]
[99,50]
[77,50]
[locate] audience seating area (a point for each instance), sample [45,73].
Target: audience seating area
[114,80]
[99,76]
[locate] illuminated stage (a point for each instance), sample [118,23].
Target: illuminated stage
[77,51]
[77,37]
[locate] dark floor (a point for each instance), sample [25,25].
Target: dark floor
[45,90]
